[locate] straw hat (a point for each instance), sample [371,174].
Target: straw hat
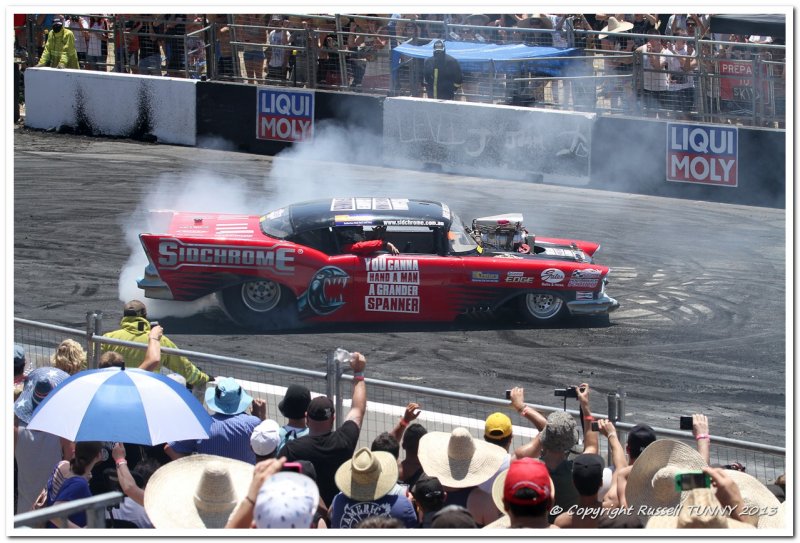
[197,491]
[757,497]
[457,459]
[543,20]
[707,513]
[368,476]
[615,26]
[651,482]
[477,19]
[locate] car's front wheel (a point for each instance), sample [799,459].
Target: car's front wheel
[541,307]
[260,304]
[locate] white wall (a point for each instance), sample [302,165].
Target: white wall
[112,103]
[484,139]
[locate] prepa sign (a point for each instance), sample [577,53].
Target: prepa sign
[702,154]
[285,115]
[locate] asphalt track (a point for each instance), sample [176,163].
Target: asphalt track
[702,286]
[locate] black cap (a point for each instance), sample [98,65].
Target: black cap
[295,402]
[438,45]
[639,438]
[587,473]
[320,408]
[134,308]
[428,492]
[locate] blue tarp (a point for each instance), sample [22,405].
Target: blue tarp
[490,57]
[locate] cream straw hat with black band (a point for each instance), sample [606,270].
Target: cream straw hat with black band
[457,459]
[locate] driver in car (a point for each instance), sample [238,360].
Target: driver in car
[357,244]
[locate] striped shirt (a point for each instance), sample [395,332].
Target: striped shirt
[229,437]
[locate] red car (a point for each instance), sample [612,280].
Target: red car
[292,267]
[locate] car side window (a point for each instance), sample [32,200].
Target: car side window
[320,239]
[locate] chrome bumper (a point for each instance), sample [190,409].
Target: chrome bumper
[601,306]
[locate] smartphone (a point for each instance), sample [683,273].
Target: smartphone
[508,394]
[595,426]
[140,325]
[687,423]
[691,480]
[153,324]
[293,466]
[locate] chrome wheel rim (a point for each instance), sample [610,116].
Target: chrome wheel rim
[261,296]
[543,306]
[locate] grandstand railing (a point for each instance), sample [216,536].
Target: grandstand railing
[731,82]
[442,409]
[94,506]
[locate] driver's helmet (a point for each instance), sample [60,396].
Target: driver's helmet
[351,234]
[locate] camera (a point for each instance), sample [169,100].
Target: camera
[595,426]
[691,480]
[508,394]
[686,423]
[569,392]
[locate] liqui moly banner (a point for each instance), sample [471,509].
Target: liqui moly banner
[703,154]
[285,115]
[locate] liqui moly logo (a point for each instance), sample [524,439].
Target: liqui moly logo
[702,154]
[285,115]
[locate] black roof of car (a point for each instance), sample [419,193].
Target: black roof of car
[315,214]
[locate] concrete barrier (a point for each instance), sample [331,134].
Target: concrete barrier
[483,139]
[110,104]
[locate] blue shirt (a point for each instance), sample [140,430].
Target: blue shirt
[229,437]
[348,513]
[74,488]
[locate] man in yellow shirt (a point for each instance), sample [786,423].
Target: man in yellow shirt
[136,327]
[59,51]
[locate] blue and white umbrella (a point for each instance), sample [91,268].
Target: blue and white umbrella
[125,405]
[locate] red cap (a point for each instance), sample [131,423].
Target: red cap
[527,473]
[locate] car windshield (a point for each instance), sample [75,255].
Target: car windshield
[276,224]
[461,243]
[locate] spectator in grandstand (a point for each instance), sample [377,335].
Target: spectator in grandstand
[428,497]
[35,452]
[19,369]
[587,478]
[136,328]
[224,50]
[277,40]
[78,25]
[442,74]
[460,462]
[231,428]
[409,415]
[265,439]
[386,442]
[174,49]
[498,431]
[59,51]
[328,63]
[299,56]
[325,447]
[639,438]
[69,357]
[534,25]
[250,29]
[619,63]
[682,82]
[453,516]
[658,64]
[132,483]
[150,34]
[410,468]
[365,40]
[69,482]
[643,23]
[293,406]
[94,46]
[526,493]
[368,487]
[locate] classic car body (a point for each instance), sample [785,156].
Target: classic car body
[288,268]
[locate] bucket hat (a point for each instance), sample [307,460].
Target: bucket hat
[228,397]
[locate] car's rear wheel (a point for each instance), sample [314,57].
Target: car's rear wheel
[260,304]
[539,307]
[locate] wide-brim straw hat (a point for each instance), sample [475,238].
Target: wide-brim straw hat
[615,25]
[477,19]
[651,482]
[757,497]
[368,476]
[707,514]
[544,21]
[197,491]
[457,459]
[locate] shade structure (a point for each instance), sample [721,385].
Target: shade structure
[125,405]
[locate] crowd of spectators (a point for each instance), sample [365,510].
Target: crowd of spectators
[253,472]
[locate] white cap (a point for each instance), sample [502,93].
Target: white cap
[265,438]
[286,500]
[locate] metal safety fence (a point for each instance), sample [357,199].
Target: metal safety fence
[681,76]
[442,410]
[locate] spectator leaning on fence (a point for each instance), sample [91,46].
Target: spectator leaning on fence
[325,447]
[59,50]
[136,328]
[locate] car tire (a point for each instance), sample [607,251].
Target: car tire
[260,304]
[542,307]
